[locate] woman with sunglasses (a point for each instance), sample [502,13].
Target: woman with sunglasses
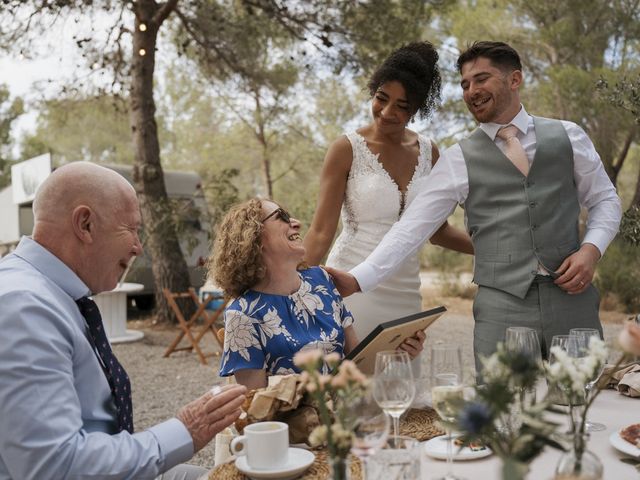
[279,306]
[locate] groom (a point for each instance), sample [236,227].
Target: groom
[522,181]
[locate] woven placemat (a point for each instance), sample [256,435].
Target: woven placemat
[421,424]
[319,469]
[417,423]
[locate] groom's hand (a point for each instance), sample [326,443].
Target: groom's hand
[345,282]
[576,272]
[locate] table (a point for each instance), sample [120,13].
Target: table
[614,410]
[113,308]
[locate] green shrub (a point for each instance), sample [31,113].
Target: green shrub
[619,273]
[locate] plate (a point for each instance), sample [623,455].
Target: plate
[437,448]
[299,460]
[622,445]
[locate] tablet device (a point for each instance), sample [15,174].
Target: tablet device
[389,335]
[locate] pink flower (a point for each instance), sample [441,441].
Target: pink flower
[333,358]
[629,338]
[307,358]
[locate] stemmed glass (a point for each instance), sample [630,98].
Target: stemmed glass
[393,385]
[370,428]
[580,350]
[525,341]
[447,392]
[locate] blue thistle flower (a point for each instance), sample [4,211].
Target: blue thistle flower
[475,417]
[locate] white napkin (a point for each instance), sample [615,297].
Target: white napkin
[222,451]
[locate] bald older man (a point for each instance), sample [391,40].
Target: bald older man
[65,409]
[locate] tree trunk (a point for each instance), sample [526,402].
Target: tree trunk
[636,198]
[260,134]
[167,262]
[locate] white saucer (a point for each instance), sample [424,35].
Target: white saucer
[299,460]
[437,448]
[622,445]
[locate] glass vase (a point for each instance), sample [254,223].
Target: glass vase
[339,468]
[579,463]
[513,469]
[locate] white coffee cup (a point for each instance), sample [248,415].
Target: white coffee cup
[266,445]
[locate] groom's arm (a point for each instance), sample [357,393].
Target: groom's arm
[442,190]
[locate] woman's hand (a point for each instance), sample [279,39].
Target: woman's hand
[414,345]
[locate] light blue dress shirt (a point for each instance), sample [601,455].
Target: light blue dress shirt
[57,417]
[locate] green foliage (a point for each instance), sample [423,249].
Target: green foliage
[92,128]
[377,28]
[221,193]
[630,226]
[619,273]
[10,109]
[624,94]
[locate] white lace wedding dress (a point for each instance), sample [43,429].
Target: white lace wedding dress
[373,203]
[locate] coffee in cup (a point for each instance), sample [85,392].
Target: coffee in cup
[266,445]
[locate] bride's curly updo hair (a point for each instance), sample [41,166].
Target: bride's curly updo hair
[415,66]
[237,263]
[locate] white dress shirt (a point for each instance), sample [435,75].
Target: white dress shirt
[448,185]
[57,418]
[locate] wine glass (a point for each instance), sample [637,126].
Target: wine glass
[370,427]
[393,385]
[555,394]
[447,393]
[525,341]
[581,350]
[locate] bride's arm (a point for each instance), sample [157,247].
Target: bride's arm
[333,183]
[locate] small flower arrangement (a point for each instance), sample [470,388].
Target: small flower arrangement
[571,375]
[502,415]
[332,394]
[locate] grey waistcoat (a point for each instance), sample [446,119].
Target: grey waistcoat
[517,222]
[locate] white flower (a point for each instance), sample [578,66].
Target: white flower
[337,314]
[318,436]
[305,303]
[493,368]
[272,324]
[240,334]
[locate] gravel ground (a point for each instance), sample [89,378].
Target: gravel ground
[162,385]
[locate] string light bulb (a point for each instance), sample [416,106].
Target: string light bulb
[142,52]
[143,27]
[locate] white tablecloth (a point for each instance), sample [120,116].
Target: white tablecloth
[610,408]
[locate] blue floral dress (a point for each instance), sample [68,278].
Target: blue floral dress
[264,331]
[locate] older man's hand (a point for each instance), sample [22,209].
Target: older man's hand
[210,414]
[344,281]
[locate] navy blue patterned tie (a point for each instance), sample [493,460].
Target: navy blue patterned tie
[115,373]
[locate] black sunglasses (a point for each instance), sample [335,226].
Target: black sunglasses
[279,213]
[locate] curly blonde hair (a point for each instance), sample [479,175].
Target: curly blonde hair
[236,263]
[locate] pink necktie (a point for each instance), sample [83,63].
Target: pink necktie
[513,148]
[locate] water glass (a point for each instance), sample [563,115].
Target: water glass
[447,393]
[370,427]
[554,394]
[399,459]
[579,339]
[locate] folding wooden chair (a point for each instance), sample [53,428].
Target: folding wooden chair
[186,326]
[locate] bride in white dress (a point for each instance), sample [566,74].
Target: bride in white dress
[372,175]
